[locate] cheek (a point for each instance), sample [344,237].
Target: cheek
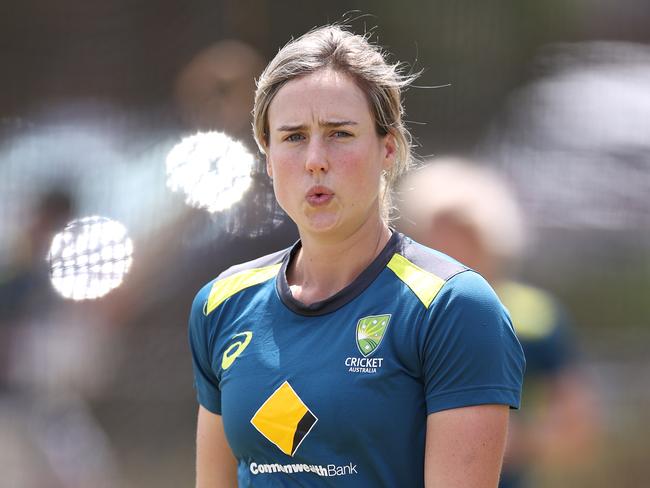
[282,193]
[276,161]
[283,176]
[359,170]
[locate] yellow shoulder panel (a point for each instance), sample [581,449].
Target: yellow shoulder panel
[223,289]
[425,285]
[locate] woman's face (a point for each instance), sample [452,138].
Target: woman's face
[324,154]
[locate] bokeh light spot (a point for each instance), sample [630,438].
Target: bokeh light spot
[212,170]
[90,257]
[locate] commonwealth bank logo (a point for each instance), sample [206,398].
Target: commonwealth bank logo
[370,332]
[284,419]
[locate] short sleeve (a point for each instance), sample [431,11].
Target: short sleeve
[469,352]
[206,383]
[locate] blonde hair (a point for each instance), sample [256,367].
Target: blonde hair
[474,195]
[336,48]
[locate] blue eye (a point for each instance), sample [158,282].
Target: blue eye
[340,133]
[294,137]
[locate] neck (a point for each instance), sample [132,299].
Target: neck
[323,267]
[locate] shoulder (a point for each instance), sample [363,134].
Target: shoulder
[247,267]
[467,350]
[428,260]
[434,277]
[238,278]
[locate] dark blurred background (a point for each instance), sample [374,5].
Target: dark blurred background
[93,95]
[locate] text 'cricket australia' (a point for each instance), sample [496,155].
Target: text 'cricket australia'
[363,365]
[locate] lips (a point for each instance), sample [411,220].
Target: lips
[319,195]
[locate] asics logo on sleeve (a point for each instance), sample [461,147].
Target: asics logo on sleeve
[235,349]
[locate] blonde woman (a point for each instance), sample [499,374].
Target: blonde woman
[357,357]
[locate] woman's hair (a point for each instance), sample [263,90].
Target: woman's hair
[336,48]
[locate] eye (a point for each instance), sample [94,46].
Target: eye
[341,133]
[294,137]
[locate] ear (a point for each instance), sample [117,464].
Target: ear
[389,147]
[269,167]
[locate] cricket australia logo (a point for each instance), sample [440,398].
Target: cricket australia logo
[370,332]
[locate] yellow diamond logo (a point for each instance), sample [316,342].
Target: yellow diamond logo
[284,419]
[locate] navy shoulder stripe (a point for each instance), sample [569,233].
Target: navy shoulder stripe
[431,260]
[263,262]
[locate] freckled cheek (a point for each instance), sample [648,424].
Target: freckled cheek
[286,197]
[287,184]
[350,161]
[283,163]
[357,171]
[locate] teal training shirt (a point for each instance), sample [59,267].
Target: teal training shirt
[337,393]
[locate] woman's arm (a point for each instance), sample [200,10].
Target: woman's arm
[215,464]
[464,447]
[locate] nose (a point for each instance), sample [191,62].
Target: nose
[316,157]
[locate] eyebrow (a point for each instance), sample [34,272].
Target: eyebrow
[329,124]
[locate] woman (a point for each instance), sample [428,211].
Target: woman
[357,357]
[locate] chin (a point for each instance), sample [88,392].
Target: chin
[320,224]
[317,220]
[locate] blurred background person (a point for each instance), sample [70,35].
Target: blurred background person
[468,212]
[214,89]
[53,358]
[214,92]
[27,269]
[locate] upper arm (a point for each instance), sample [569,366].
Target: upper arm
[464,446]
[473,369]
[201,329]
[215,463]
[470,353]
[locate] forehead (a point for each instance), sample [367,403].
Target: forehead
[325,95]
